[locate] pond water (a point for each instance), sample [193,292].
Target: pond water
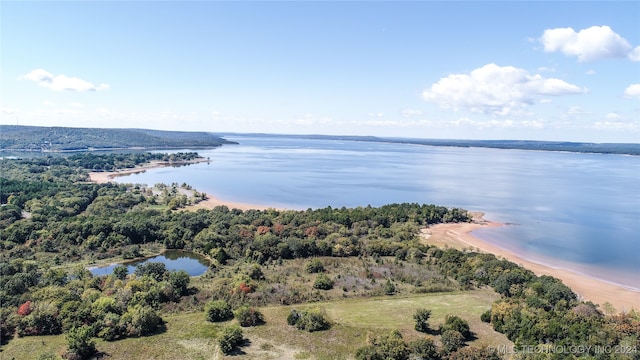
[174,260]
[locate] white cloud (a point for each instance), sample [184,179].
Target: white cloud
[590,72]
[613,116]
[576,110]
[48,103]
[634,55]
[76,104]
[596,42]
[62,82]
[376,114]
[632,91]
[494,89]
[411,112]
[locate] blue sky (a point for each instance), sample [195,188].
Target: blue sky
[465,70]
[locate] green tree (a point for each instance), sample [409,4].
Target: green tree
[248,316]
[452,340]
[424,348]
[421,317]
[323,282]
[120,272]
[79,342]
[314,266]
[180,281]
[218,310]
[453,322]
[230,338]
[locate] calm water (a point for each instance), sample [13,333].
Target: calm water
[580,211]
[193,264]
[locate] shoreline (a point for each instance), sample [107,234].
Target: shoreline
[210,202]
[458,236]
[588,288]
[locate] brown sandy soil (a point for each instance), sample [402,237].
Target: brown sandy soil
[458,235]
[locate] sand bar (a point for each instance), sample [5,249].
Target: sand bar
[459,236]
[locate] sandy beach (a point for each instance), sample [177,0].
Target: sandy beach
[459,236]
[211,201]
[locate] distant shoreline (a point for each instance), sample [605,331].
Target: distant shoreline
[459,236]
[588,288]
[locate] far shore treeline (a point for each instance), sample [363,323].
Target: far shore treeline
[55,223]
[63,139]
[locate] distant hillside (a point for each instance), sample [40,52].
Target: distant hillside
[45,139]
[579,147]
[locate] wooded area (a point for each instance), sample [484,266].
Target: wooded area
[52,218]
[47,139]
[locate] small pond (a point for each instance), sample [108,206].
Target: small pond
[174,260]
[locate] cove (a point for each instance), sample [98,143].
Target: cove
[174,260]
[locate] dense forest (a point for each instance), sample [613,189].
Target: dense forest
[54,223]
[44,139]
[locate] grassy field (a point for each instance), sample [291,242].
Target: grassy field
[189,336]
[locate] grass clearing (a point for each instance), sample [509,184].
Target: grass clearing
[190,336]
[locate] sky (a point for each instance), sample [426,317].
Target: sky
[543,70]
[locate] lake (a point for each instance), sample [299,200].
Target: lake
[193,264]
[568,210]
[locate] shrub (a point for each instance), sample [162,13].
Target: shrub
[314,266]
[323,282]
[423,348]
[255,272]
[230,338]
[389,288]
[452,340]
[486,316]
[422,319]
[218,310]
[25,309]
[453,322]
[293,317]
[79,343]
[248,316]
[120,272]
[387,347]
[309,320]
[140,320]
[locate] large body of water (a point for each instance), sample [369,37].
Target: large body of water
[570,210]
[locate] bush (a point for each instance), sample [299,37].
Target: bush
[453,322]
[486,316]
[452,340]
[79,343]
[389,288]
[323,282]
[309,320]
[218,310]
[387,347]
[293,317]
[248,316]
[230,338]
[314,266]
[422,319]
[423,348]
[140,320]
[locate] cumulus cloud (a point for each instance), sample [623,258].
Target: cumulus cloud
[632,91]
[634,55]
[62,82]
[594,43]
[493,89]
